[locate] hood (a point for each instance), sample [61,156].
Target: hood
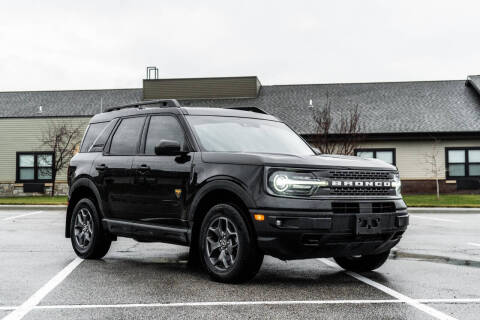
[294,161]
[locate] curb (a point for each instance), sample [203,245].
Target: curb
[33,207]
[442,210]
[398,254]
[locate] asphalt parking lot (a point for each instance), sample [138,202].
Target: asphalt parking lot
[435,274]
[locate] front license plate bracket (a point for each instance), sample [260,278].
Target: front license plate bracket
[367,224]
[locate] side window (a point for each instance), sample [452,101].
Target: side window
[125,139]
[163,128]
[99,143]
[93,131]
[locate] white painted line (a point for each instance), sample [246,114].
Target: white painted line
[412,302]
[434,219]
[233,303]
[35,299]
[215,303]
[474,244]
[22,215]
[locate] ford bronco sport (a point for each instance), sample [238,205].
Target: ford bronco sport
[233,185]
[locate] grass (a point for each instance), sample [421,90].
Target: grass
[427,200]
[34,200]
[446,200]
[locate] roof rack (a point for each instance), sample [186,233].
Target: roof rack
[251,109]
[164,103]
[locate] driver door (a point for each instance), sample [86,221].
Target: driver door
[161,182]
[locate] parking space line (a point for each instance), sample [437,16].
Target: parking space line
[245,303]
[35,299]
[412,302]
[474,244]
[21,215]
[215,303]
[434,219]
[240,303]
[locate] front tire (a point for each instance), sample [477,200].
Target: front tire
[363,263]
[228,250]
[89,240]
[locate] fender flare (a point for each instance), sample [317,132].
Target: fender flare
[219,184]
[82,182]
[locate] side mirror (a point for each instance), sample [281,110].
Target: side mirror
[168,148]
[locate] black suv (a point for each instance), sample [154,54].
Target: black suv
[231,184]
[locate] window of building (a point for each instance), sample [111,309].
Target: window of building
[126,137]
[463,162]
[34,166]
[163,128]
[387,155]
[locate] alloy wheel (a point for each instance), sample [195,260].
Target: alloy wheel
[222,243]
[83,228]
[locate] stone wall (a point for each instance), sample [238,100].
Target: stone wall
[16,190]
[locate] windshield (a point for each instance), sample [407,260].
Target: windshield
[229,134]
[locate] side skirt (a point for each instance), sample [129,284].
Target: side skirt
[147,232]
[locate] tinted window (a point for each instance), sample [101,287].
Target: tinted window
[125,139]
[163,128]
[92,133]
[98,143]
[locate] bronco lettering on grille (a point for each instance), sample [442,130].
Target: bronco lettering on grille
[336,183]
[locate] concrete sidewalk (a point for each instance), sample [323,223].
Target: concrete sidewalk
[410,209]
[40,207]
[442,210]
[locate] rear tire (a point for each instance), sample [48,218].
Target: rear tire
[228,250]
[363,263]
[89,240]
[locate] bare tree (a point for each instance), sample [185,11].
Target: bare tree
[342,136]
[63,140]
[432,159]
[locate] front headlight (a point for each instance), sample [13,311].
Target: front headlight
[397,184]
[294,183]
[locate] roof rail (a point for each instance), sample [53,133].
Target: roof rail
[163,103]
[251,109]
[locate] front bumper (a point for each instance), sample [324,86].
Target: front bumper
[292,234]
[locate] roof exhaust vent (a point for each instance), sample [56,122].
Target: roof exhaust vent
[150,71]
[40,109]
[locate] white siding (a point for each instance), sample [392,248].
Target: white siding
[411,156]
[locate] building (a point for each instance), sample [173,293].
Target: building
[405,123]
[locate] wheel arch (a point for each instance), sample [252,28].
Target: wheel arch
[214,192]
[81,188]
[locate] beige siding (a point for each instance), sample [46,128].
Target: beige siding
[411,156]
[24,134]
[201,88]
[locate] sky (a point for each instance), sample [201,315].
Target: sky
[61,45]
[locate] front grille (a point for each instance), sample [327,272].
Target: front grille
[365,191]
[345,207]
[361,175]
[383,207]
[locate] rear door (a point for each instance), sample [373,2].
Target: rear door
[114,167]
[161,182]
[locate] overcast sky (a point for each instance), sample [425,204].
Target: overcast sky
[54,45]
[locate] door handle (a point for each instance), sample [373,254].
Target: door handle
[101,167]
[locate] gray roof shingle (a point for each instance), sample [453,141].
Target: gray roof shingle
[395,107]
[63,103]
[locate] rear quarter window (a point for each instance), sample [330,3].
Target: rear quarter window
[91,135]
